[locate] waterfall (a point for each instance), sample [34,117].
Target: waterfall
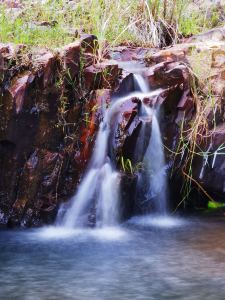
[155,167]
[100,186]
[99,190]
[140,83]
[152,181]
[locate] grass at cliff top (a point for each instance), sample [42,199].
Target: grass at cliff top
[123,21]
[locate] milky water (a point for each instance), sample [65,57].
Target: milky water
[152,180]
[99,189]
[154,161]
[145,258]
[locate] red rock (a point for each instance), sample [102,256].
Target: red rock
[186,102]
[168,55]
[153,74]
[103,75]
[70,56]
[126,123]
[45,64]
[41,171]
[167,74]
[89,43]
[18,89]
[95,109]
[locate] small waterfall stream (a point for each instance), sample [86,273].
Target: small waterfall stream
[152,182]
[99,189]
[154,163]
[100,186]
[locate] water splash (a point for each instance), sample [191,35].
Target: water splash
[156,221]
[108,233]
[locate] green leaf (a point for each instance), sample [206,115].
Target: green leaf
[215,205]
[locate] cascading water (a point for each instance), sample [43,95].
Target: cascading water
[152,182]
[100,185]
[155,167]
[99,189]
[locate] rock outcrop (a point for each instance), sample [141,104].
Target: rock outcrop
[48,123]
[52,103]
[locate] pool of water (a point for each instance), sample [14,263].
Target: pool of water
[145,258]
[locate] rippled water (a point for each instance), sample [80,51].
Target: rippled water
[146,258]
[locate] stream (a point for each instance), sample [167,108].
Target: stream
[144,258]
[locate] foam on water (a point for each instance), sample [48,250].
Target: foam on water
[156,221]
[102,234]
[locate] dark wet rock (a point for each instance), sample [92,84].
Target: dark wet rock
[125,126]
[209,168]
[41,174]
[52,105]
[47,131]
[128,192]
[18,89]
[206,177]
[102,75]
[166,74]
[70,56]
[94,110]
[46,67]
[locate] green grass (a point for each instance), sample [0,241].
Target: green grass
[124,21]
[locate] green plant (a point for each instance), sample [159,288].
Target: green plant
[128,167]
[143,22]
[192,136]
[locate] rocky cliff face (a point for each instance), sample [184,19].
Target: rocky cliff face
[51,105]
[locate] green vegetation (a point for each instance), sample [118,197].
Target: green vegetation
[146,22]
[128,167]
[215,205]
[194,135]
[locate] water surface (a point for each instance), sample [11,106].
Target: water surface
[146,258]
